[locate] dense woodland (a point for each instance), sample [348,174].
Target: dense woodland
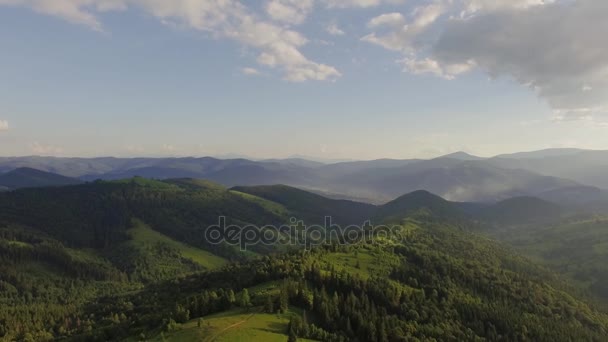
[125,260]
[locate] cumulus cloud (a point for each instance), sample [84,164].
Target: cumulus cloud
[3,125]
[289,11]
[45,150]
[250,71]
[358,3]
[278,46]
[554,47]
[558,50]
[428,65]
[402,34]
[334,30]
[472,6]
[75,11]
[168,148]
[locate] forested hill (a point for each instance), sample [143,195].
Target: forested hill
[97,215]
[125,260]
[28,178]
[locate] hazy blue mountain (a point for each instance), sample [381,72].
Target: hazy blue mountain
[452,179]
[551,152]
[29,178]
[460,155]
[579,196]
[551,174]
[586,167]
[296,162]
[313,207]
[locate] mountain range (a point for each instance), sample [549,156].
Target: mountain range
[566,176]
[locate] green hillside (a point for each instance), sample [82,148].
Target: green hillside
[312,207]
[125,260]
[143,236]
[416,201]
[98,215]
[440,284]
[519,210]
[577,248]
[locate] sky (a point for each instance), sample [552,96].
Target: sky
[334,79]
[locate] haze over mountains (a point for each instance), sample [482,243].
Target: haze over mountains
[568,176]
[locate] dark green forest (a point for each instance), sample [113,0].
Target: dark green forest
[127,260]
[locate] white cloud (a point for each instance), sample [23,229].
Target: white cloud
[391,19]
[472,6]
[134,149]
[428,65]
[595,115]
[45,150]
[334,30]
[250,71]
[289,11]
[403,35]
[168,148]
[359,3]
[3,125]
[222,18]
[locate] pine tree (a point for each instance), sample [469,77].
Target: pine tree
[283,301]
[245,299]
[269,306]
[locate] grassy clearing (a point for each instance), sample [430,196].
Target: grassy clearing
[234,326]
[363,262]
[143,235]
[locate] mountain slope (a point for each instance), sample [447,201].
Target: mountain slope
[126,259]
[418,201]
[312,207]
[523,210]
[30,178]
[576,248]
[440,283]
[97,215]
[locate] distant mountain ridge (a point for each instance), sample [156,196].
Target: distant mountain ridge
[516,210]
[462,156]
[568,176]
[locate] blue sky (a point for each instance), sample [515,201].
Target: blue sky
[332,79]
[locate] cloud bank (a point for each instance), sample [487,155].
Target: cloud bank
[555,47]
